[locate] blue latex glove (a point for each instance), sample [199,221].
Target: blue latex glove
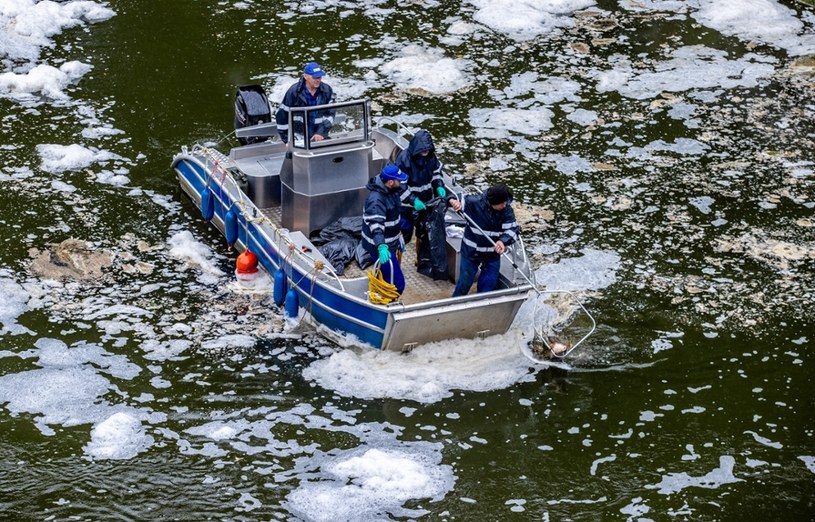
[418,205]
[441,192]
[384,254]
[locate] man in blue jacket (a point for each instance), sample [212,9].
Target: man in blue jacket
[307,92]
[492,212]
[381,235]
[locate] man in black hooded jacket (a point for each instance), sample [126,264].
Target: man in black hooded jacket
[425,181]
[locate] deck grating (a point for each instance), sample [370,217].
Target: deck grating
[418,287]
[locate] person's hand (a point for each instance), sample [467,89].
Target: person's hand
[384,254]
[418,205]
[441,192]
[317,137]
[499,247]
[456,204]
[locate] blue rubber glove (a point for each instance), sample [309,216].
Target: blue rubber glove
[441,192]
[418,205]
[384,254]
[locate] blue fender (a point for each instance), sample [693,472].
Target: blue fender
[207,204]
[231,227]
[292,303]
[279,291]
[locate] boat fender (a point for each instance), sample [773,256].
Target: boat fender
[279,292]
[207,204]
[292,303]
[247,262]
[231,227]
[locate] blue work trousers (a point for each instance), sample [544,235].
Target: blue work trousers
[487,281]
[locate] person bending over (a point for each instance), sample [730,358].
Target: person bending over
[492,212]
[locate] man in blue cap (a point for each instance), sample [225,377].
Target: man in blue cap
[381,234]
[307,92]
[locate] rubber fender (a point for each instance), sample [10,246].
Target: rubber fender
[207,204]
[231,227]
[279,291]
[292,304]
[247,262]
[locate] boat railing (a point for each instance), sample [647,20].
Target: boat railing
[218,163]
[402,130]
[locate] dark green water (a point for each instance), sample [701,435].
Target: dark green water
[672,163]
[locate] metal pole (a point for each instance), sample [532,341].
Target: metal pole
[515,266]
[539,292]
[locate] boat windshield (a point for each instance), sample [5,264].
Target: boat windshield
[346,122]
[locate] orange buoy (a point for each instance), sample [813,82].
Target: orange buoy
[247,262]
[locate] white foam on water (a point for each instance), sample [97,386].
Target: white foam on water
[527,19]
[430,373]
[412,67]
[766,21]
[61,158]
[54,353]
[65,397]
[68,396]
[549,91]
[690,67]
[594,270]
[602,460]
[16,173]
[636,509]
[676,482]
[13,304]
[61,186]
[230,341]
[426,69]
[502,122]
[702,203]
[372,484]
[46,80]
[583,117]
[763,21]
[27,26]
[69,390]
[119,437]
[110,178]
[570,165]
[764,440]
[184,247]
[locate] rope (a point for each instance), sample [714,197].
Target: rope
[379,290]
[221,175]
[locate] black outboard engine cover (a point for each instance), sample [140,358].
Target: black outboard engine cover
[251,108]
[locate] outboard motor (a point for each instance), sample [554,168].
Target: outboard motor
[251,108]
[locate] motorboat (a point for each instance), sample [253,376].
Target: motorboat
[273,197]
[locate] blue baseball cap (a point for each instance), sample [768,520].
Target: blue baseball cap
[392,172]
[314,69]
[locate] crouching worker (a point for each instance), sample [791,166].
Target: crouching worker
[482,246]
[381,235]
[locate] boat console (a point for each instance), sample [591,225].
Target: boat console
[313,182]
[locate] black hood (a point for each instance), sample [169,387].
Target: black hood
[421,142]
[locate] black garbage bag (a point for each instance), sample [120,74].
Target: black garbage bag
[342,228]
[431,235]
[364,259]
[339,252]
